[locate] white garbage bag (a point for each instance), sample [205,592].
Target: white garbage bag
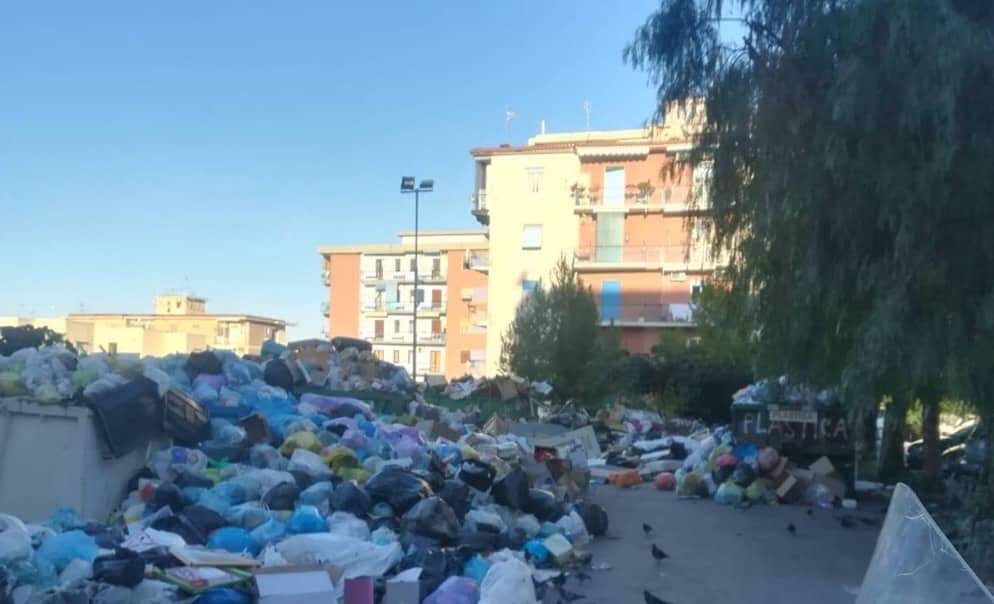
[356,557]
[508,580]
[15,541]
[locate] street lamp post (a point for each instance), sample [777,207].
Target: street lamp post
[407,186]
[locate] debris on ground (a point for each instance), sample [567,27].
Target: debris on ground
[314,472]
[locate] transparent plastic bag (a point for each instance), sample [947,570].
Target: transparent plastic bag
[508,580]
[347,525]
[455,590]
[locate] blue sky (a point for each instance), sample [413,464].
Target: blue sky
[212,146]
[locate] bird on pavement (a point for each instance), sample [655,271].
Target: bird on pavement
[658,554]
[847,522]
[646,529]
[792,529]
[811,512]
[651,599]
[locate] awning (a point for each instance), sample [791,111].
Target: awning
[613,151]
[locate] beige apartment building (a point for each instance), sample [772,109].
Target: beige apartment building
[371,295]
[180,324]
[618,204]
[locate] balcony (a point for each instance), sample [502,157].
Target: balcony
[648,315]
[666,201]
[477,261]
[372,275]
[668,258]
[325,278]
[324,309]
[480,209]
[405,338]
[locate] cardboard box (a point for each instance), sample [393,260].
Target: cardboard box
[585,436]
[297,584]
[559,548]
[506,388]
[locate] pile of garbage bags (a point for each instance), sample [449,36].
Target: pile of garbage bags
[696,462]
[275,480]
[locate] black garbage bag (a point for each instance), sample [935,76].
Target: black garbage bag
[276,373]
[513,538]
[678,450]
[744,474]
[594,517]
[512,490]
[435,480]
[543,505]
[722,473]
[204,519]
[432,517]
[302,478]
[107,537]
[233,452]
[345,410]
[124,568]
[168,494]
[400,488]
[178,523]
[478,541]
[129,415]
[457,495]
[477,474]
[202,362]
[350,497]
[436,565]
[282,497]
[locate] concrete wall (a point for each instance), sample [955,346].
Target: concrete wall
[512,205]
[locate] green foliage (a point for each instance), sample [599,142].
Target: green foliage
[556,337]
[850,144]
[13,339]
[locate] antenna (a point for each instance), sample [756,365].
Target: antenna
[587,107]
[508,116]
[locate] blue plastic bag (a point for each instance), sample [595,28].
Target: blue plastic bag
[212,501]
[476,568]
[247,515]
[269,532]
[537,550]
[233,539]
[61,549]
[64,519]
[223,595]
[306,519]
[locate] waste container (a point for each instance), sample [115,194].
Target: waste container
[53,456]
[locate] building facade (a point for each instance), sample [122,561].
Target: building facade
[180,324]
[618,204]
[371,295]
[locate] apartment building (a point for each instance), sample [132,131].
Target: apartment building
[371,295]
[618,204]
[180,324]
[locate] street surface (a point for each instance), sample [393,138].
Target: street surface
[720,554]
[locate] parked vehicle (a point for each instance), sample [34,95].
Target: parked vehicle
[952,447]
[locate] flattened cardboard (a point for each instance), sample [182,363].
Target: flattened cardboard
[297,584]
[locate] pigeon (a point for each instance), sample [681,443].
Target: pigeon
[658,554]
[811,512]
[792,529]
[847,522]
[651,599]
[646,528]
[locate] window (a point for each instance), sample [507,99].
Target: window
[528,286]
[396,357]
[410,326]
[378,329]
[534,179]
[463,356]
[396,325]
[378,355]
[112,348]
[434,361]
[396,265]
[614,186]
[695,291]
[531,237]
[414,264]
[610,300]
[436,267]
[379,268]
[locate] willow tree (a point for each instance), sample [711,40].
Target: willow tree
[850,144]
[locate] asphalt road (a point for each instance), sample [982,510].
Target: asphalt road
[720,554]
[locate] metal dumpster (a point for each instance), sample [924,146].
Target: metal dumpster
[53,456]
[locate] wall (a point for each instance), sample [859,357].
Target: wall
[512,205]
[458,311]
[343,295]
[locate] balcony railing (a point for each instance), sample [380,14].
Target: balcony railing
[477,260]
[324,309]
[326,278]
[670,257]
[671,200]
[480,201]
[405,337]
[378,275]
[635,313]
